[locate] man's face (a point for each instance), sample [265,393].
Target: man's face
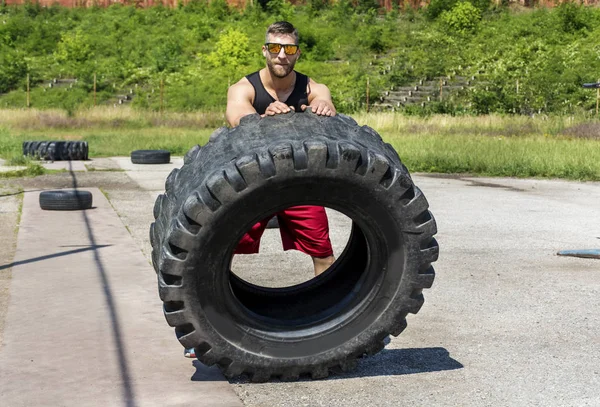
[280,65]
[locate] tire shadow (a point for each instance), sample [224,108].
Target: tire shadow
[388,362]
[398,362]
[204,373]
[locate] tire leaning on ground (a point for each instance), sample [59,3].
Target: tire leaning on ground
[252,171]
[150,157]
[67,200]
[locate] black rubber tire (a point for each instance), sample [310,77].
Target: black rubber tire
[65,200]
[150,157]
[56,150]
[26,145]
[273,223]
[247,174]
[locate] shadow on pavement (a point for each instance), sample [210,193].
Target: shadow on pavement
[396,362]
[50,256]
[204,373]
[127,389]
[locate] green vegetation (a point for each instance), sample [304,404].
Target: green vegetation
[33,169]
[109,132]
[494,145]
[528,61]
[534,120]
[513,146]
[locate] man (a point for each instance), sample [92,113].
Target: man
[278,89]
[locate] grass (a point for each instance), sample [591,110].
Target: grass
[520,146]
[513,146]
[32,170]
[109,131]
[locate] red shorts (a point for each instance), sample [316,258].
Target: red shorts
[304,228]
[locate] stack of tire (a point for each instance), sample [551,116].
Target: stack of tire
[56,150]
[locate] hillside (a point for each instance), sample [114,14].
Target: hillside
[485,58]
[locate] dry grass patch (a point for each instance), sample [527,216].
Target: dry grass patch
[107,117]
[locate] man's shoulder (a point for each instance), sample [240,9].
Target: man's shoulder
[243,85]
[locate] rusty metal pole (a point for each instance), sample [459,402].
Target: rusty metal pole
[94,89]
[162,88]
[28,97]
[367,94]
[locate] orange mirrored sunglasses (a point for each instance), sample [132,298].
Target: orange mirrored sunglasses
[289,49]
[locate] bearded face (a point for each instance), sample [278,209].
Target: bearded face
[281,65]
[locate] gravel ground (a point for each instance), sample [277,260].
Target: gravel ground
[507,322]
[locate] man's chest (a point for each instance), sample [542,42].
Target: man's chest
[280,95]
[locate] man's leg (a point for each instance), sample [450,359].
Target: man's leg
[250,242]
[306,228]
[322,263]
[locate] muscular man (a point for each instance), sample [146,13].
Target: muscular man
[277,89]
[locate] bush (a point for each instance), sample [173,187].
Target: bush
[437,7]
[462,19]
[231,51]
[572,17]
[13,68]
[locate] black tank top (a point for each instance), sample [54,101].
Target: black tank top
[262,98]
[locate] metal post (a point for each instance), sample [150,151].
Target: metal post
[28,91]
[367,94]
[162,88]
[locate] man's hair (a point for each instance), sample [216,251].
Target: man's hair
[282,27]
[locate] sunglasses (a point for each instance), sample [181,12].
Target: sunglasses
[289,49]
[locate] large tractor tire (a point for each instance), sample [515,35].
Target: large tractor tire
[250,172]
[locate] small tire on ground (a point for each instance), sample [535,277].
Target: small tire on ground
[150,157]
[252,172]
[65,200]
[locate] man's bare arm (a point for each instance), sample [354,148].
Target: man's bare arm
[239,102]
[319,99]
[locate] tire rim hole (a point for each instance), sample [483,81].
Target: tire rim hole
[274,267]
[264,292]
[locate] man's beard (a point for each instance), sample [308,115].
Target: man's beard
[282,70]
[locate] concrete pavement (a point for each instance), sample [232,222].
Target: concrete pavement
[84,323]
[49,165]
[506,323]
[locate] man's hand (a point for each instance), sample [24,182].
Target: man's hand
[277,107]
[321,107]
